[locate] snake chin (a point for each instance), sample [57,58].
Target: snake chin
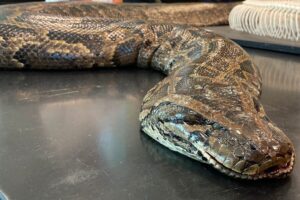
[278,171]
[267,170]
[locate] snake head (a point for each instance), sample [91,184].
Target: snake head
[256,150]
[248,146]
[221,124]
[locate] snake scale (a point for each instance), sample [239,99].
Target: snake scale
[207,107]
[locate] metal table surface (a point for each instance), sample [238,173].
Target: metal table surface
[75,135]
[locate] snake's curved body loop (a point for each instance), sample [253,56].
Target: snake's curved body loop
[206,108]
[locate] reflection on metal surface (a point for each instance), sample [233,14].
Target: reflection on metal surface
[278,73]
[3,196]
[45,87]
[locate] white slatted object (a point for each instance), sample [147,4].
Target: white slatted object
[274,18]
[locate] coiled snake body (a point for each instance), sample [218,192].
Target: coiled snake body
[206,108]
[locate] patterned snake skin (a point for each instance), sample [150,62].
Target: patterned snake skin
[207,107]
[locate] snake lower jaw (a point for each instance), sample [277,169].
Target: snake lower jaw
[281,170]
[243,160]
[269,169]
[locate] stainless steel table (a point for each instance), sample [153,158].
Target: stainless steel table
[75,135]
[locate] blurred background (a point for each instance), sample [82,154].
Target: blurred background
[118,1]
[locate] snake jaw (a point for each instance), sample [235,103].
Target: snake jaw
[279,165]
[201,153]
[233,152]
[255,173]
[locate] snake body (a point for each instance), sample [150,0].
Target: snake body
[207,107]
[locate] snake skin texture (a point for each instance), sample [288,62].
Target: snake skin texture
[207,107]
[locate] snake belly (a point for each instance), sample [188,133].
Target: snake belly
[207,107]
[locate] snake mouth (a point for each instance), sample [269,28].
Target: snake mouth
[275,170]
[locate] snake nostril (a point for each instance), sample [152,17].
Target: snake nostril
[268,157]
[252,147]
